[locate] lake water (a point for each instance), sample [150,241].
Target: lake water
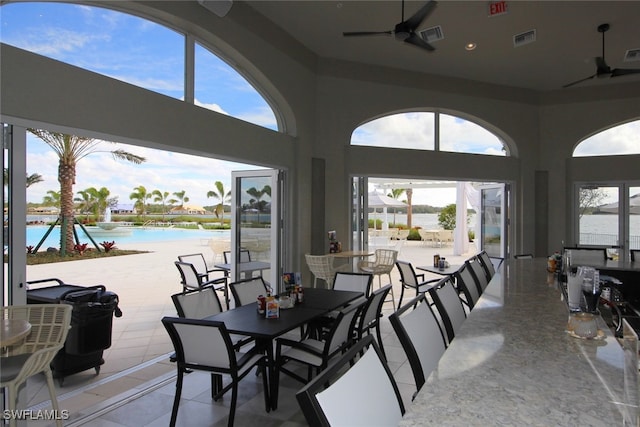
[607,224]
[426,221]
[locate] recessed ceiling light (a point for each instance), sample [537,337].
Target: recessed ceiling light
[470,46]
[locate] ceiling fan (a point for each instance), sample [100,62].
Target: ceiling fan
[603,70]
[405,30]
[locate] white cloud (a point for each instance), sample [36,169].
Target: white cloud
[211,106]
[260,116]
[163,170]
[623,139]
[54,42]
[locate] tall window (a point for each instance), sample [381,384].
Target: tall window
[608,214]
[134,50]
[428,131]
[618,140]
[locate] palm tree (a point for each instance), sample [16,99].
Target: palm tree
[31,179]
[257,194]
[34,179]
[395,194]
[221,195]
[182,198]
[409,209]
[52,199]
[140,195]
[70,150]
[87,202]
[102,201]
[161,197]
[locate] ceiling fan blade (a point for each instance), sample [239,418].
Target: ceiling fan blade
[366,33]
[580,81]
[624,71]
[420,15]
[417,41]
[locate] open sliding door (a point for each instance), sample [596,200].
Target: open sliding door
[494,219]
[256,224]
[359,214]
[14,144]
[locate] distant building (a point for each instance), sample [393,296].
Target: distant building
[123,209]
[188,210]
[45,210]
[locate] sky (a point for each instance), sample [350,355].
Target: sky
[139,52]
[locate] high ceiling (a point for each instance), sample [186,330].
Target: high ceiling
[566,38]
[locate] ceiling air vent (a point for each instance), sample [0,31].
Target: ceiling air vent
[432,34]
[632,55]
[524,38]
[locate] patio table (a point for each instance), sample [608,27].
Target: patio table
[246,267]
[13,331]
[351,255]
[245,320]
[447,271]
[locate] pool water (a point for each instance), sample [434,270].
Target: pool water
[137,235]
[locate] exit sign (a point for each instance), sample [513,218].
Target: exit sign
[497,8]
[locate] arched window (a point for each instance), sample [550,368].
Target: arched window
[428,131]
[220,88]
[618,140]
[134,50]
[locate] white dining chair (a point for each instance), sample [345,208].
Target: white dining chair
[376,398]
[420,335]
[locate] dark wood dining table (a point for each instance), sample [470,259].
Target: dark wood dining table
[245,320]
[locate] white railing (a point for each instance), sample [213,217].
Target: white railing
[607,240]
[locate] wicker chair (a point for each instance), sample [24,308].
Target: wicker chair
[50,325]
[322,268]
[383,264]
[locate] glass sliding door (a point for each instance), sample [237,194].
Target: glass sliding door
[493,219]
[14,214]
[359,214]
[608,215]
[600,216]
[256,225]
[633,218]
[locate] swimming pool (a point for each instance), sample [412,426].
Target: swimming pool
[137,235]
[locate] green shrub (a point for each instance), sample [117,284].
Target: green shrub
[378,224]
[414,234]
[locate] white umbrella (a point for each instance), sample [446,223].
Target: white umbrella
[634,206]
[377,200]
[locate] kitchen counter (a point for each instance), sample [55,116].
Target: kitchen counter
[513,363]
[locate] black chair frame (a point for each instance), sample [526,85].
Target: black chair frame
[217,388]
[406,283]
